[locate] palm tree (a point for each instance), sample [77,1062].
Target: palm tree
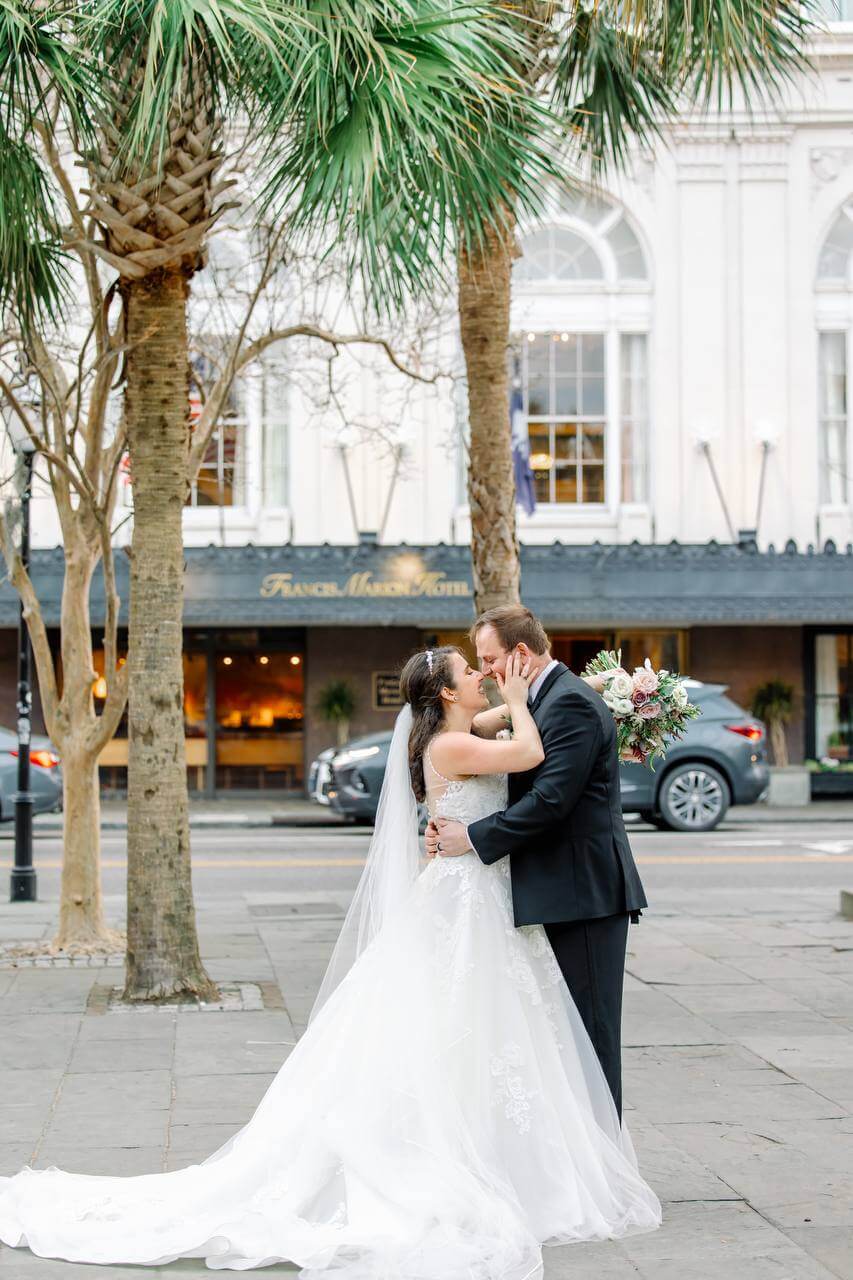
[611,71]
[397,124]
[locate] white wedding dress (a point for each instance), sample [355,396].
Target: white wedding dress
[442,1117]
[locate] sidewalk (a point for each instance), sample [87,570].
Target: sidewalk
[738,1074]
[262,811]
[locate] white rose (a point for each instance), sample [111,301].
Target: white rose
[622,707]
[679,697]
[620,686]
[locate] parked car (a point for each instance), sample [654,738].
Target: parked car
[721,760]
[45,775]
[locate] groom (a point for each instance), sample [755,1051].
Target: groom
[570,861]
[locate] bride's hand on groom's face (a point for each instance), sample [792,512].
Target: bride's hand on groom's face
[515,682]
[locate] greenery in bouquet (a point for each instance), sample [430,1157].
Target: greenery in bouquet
[650,707]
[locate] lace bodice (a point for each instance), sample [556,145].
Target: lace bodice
[464,800]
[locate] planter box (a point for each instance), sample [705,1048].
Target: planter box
[825,783]
[789,787]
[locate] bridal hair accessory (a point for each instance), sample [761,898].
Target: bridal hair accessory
[429,660]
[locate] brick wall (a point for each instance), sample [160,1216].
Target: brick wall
[744,658]
[351,654]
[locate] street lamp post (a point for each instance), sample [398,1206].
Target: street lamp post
[23,878]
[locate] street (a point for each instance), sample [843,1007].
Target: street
[738,1040]
[740,855]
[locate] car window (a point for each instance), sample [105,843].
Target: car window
[719,707]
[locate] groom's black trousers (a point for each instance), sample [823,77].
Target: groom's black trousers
[591,955]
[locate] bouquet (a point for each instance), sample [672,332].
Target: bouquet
[649,706]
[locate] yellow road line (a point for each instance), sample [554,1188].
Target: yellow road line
[657,860]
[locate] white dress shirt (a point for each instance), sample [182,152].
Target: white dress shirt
[540,680]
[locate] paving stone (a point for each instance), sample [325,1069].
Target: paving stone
[222,1099]
[110,1161]
[13,1156]
[132,1055]
[34,1042]
[603,1260]
[830,1047]
[740,999]
[121,1126]
[711,1239]
[111,1090]
[673,1172]
[190,1143]
[831,1246]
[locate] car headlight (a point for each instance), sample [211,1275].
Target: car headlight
[346,758]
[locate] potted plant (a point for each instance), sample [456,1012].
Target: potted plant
[773,703]
[336,703]
[790,785]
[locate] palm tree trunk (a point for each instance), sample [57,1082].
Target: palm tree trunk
[484,302]
[163,958]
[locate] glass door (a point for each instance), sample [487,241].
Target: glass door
[834,697]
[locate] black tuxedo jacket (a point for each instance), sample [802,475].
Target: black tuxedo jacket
[570,856]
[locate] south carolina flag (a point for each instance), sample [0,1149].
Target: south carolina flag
[525,492]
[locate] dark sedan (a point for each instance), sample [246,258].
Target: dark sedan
[45,775]
[721,760]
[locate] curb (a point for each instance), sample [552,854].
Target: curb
[243,822]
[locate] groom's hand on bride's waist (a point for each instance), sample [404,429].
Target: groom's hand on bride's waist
[446,839]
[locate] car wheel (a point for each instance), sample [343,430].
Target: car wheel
[693,797]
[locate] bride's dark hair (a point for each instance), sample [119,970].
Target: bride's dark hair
[421,682]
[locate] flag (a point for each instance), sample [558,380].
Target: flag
[525,490]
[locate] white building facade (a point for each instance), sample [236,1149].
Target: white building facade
[684,344]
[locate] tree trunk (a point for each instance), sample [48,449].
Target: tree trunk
[779,743]
[163,958]
[484,301]
[81,915]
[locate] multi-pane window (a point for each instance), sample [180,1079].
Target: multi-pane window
[564,399]
[274,432]
[837,10]
[832,424]
[835,264]
[221,476]
[633,439]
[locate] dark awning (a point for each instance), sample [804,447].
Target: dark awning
[430,587]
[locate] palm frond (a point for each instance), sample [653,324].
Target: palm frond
[42,76]
[712,48]
[34,272]
[608,86]
[407,130]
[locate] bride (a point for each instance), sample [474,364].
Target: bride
[444,1114]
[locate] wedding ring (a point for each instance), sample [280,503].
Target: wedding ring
[438,846]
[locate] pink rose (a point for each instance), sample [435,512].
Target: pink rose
[635,755]
[638,697]
[645,680]
[649,710]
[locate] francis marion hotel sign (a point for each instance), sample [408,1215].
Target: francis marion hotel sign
[363,585]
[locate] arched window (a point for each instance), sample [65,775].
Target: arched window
[835,264]
[834,285]
[582,371]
